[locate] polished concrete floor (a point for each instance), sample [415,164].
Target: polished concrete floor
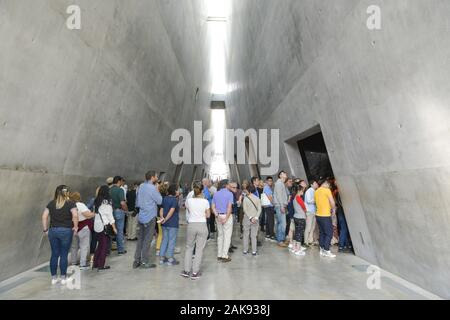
[274,274]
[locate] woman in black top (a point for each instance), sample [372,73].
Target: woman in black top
[63,224]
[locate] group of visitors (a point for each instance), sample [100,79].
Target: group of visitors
[291,212]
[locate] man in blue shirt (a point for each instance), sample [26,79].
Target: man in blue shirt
[222,209]
[147,200]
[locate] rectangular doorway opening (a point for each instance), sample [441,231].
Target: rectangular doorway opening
[317,165]
[315,157]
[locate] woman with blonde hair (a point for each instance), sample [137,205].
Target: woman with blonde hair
[63,215]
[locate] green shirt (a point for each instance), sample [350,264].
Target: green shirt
[117,196]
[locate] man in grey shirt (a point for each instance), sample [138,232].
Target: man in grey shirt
[280,202]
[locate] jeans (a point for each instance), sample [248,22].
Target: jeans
[169,241]
[280,224]
[145,236]
[325,232]
[270,221]
[60,243]
[119,217]
[343,233]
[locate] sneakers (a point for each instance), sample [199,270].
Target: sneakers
[321,251]
[254,254]
[196,276]
[136,264]
[282,245]
[121,253]
[163,260]
[226,259]
[328,254]
[55,280]
[84,267]
[157,253]
[245,253]
[63,281]
[300,253]
[172,262]
[185,274]
[290,246]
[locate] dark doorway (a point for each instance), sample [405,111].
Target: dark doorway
[315,157]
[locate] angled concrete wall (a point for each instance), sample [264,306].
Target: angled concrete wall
[382,99]
[79,106]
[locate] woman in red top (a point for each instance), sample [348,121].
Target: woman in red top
[300,222]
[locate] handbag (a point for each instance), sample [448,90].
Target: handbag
[252,203]
[108,229]
[265,202]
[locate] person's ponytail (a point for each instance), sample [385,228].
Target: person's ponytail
[198,188]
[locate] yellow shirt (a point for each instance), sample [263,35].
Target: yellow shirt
[321,197]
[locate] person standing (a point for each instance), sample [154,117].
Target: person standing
[208,196]
[325,207]
[169,220]
[344,235]
[290,226]
[103,219]
[162,189]
[120,208]
[222,209]
[268,209]
[299,221]
[252,211]
[82,239]
[63,215]
[197,232]
[280,201]
[311,209]
[148,198]
[132,213]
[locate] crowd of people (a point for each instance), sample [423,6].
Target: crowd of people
[291,212]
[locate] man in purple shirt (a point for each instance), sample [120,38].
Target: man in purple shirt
[222,209]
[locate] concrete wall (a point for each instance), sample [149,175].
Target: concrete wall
[79,106]
[382,101]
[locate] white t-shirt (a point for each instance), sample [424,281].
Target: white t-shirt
[81,208]
[106,210]
[197,208]
[190,195]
